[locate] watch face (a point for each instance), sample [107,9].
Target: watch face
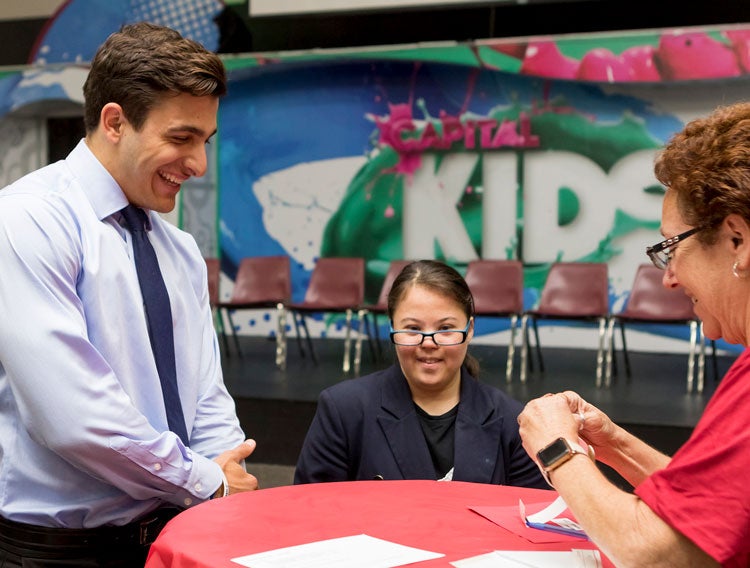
[552,453]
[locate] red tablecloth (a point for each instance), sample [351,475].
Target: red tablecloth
[431,515]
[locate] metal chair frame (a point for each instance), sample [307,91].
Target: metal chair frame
[337,285]
[650,303]
[497,288]
[574,291]
[262,282]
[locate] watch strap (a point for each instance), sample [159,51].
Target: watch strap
[572,448]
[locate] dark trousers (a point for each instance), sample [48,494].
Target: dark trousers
[30,546]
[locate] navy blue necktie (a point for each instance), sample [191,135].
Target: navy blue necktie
[158,317]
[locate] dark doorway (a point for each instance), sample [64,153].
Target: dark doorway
[63,133]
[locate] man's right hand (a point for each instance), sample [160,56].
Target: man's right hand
[231,464]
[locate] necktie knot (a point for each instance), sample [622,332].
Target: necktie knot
[135,218]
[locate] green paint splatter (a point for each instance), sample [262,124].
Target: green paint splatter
[568,206]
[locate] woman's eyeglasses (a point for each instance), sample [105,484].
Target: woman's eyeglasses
[661,253]
[442,337]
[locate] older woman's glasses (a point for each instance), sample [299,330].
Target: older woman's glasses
[442,337]
[661,253]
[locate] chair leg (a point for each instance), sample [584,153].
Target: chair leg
[370,341]
[610,352]
[528,342]
[511,349]
[524,347]
[347,342]
[298,334]
[701,360]
[300,321]
[600,352]
[691,356]
[234,333]
[538,346]
[361,319]
[614,351]
[281,336]
[222,330]
[303,321]
[625,355]
[378,346]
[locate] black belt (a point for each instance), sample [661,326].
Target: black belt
[141,532]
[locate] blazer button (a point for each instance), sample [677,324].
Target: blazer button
[378,477]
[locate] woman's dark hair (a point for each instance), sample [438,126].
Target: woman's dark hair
[442,279]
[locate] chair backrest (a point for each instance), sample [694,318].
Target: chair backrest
[337,283]
[649,300]
[497,286]
[575,289]
[213,266]
[262,280]
[394,269]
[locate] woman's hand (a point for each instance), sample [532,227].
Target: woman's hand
[545,419]
[594,427]
[563,415]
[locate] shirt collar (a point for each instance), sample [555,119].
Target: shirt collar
[104,194]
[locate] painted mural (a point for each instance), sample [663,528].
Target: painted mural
[389,158]
[538,149]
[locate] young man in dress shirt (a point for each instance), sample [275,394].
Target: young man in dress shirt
[90,470]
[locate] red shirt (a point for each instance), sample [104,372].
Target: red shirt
[704,492]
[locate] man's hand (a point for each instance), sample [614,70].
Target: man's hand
[237,477]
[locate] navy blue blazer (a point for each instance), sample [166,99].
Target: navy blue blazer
[368,428]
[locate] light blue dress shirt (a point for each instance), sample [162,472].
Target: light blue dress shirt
[83,431]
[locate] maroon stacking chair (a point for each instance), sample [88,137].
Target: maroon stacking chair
[337,285]
[497,288]
[651,303]
[380,307]
[573,291]
[262,282]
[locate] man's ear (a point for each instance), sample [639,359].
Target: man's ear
[111,122]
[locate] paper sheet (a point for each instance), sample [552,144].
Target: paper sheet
[361,550]
[576,558]
[548,513]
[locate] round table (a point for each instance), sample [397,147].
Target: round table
[431,515]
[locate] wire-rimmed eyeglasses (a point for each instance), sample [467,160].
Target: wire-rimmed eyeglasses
[442,337]
[661,253]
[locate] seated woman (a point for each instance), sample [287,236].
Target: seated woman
[426,417]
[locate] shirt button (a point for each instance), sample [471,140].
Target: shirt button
[198,487]
[188,501]
[157,467]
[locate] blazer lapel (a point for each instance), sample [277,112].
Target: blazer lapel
[401,428]
[478,434]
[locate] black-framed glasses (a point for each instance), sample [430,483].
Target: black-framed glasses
[661,253]
[442,337]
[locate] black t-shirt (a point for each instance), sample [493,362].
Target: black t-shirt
[439,432]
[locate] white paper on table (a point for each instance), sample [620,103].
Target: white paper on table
[549,512]
[361,550]
[576,558]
